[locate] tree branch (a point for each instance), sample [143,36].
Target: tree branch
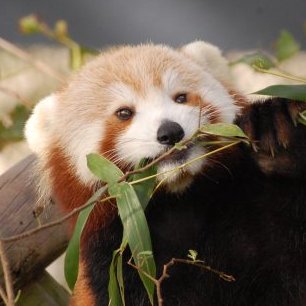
[172,262]
[11,48]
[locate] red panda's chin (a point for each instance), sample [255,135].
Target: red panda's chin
[177,172]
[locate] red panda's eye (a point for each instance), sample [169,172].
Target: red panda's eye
[124,113]
[181,98]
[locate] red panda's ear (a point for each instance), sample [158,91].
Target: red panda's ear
[38,129]
[210,58]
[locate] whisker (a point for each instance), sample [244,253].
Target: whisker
[220,164]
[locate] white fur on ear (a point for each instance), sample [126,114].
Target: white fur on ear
[38,127]
[210,58]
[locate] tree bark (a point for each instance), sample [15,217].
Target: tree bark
[28,256]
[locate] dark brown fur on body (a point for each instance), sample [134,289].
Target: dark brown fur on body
[245,216]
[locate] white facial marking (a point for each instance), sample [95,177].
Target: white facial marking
[171,81]
[81,142]
[140,139]
[120,94]
[38,129]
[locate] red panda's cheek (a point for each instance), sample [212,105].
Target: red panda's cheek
[208,110]
[114,128]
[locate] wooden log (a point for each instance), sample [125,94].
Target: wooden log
[29,256]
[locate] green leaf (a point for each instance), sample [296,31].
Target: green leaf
[103,168]
[295,92]
[178,146]
[223,129]
[144,190]
[136,232]
[257,59]
[115,298]
[72,253]
[119,275]
[15,132]
[116,284]
[193,254]
[286,46]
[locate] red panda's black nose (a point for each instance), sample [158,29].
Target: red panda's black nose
[169,133]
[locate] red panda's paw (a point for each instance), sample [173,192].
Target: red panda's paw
[278,140]
[271,124]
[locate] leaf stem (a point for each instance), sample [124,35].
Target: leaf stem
[280,74]
[187,163]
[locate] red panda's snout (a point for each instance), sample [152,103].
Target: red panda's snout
[169,133]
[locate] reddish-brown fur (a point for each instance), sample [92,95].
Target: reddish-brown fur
[114,127]
[82,294]
[69,192]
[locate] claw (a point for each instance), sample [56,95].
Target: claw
[254,147]
[272,152]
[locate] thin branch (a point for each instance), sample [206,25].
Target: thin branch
[185,164]
[7,276]
[123,178]
[54,223]
[183,143]
[172,262]
[200,264]
[11,48]
[82,207]
[154,162]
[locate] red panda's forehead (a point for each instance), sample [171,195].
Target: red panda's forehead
[141,67]
[135,71]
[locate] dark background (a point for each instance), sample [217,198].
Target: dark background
[232,24]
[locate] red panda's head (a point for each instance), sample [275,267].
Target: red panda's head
[130,103]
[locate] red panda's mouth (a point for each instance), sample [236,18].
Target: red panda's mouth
[179,155]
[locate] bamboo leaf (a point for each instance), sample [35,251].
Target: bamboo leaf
[286,46]
[136,231]
[222,129]
[257,59]
[103,168]
[72,253]
[144,190]
[295,92]
[115,298]
[119,274]
[116,284]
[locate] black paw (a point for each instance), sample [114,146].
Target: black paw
[278,140]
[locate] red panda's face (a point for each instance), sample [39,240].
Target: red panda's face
[132,103]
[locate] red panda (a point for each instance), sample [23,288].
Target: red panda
[244,212]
